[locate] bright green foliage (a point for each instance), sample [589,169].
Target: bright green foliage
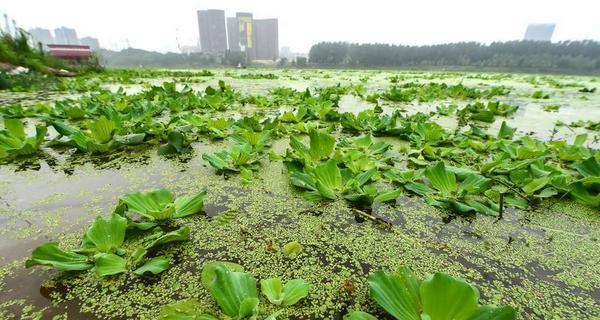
[292,249]
[369,121]
[327,181]
[98,138]
[506,132]
[239,156]
[184,310]
[445,191]
[176,143]
[257,140]
[160,237]
[284,294]
[14,142]
[50,254]
[108,264]
[320,147]
[155,265]
[104,244]
[106,236]
[439,297]
[234,292]
[161,204]
[359,315]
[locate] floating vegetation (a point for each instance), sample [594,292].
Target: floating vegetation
[309,191]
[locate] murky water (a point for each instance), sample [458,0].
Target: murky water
[544,262]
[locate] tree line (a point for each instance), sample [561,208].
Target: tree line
[566,56]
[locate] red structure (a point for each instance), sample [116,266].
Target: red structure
[69,52]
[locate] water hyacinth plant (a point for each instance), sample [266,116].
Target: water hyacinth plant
[438,297]
[104,246]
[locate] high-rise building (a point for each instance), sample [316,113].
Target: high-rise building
[41,35]
[93,43]
[539,32]
[233,34]
[213,35]
[266,39]
[64,35]
[246,33]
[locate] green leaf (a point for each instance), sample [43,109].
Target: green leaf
[176,143]
[396,293]
[234,292]
[580,139]
[248,308]
[273,290]
[181,234]
[292,249]
[189,309]
[102,130]
[494,313]
[188,205]
[580,193]
[388,196]
[107,235]
[286,295]
[329,179]
[108,264]
[588,167]
[359,315]
[441,179]
[155,265]
[50,255]
[321,144]
[208,271]
[506,132]
[15,127]
[536,184]
[447,298]
[154,205]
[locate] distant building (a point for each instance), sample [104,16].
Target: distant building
[41,35]
[213,35]
[75,53]
[64,35]
[266,39]
[539,32]
[246,33]
[233,34]
[93,43]
[286,52]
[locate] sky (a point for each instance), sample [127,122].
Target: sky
[160,25]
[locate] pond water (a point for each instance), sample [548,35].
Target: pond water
[543,262]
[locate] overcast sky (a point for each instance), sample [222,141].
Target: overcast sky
[155,25]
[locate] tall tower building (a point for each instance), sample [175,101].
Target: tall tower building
[246,33]
[233,34]
[539,32]
[41,35]
[213,35]
[266,39]
[64,35]
[93,43]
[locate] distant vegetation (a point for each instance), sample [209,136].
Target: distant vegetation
[529,56]
[16,51]
[142,58]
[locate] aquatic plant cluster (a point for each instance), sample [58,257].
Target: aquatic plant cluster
[467,170]
[361,158]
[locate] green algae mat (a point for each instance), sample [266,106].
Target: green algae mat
[301,194]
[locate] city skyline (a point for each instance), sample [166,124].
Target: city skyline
[62,35]
[257,38]
[159,26]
